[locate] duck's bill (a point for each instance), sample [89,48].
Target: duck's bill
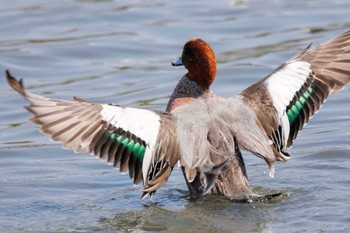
[177,62]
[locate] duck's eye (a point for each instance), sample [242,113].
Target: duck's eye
[188,51]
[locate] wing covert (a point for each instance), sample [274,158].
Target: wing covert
[138,141]
[286,100]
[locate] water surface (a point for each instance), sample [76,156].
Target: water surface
[120,52]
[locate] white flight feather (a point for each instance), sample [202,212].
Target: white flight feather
[140,122]
[282,85]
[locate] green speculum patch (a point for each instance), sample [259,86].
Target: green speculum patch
[295,108]
[135,147]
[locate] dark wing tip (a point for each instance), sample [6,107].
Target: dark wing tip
[17,85]
[75,98]
[156,182]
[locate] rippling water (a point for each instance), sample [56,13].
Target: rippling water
[120,51]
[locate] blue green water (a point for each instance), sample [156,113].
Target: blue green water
[120,52]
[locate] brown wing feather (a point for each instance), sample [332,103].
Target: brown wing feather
[80,126]
[330,64]
[330,61]
[330,72]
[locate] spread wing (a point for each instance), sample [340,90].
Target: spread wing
[285,100]
[138,141]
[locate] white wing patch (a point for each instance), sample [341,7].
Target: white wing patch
[282,86]
[284,83]
[140,122]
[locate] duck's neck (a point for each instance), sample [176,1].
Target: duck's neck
[204,75]
[185,92]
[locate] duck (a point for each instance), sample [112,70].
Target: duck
[200,131]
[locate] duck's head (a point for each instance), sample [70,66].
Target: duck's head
[199,59]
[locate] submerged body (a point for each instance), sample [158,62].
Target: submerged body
[200,130]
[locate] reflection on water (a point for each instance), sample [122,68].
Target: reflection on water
[120,52]
[201,215]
